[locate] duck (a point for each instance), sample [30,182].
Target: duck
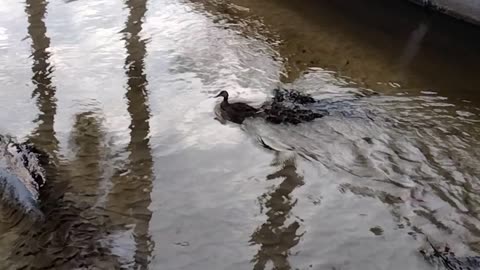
[235,112]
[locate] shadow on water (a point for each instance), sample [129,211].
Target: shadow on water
[44,135]
[382,29]
[378,45]
[275,237]
[49,242]
[70,234]
[132,188]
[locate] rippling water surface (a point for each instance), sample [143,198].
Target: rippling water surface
[141,175]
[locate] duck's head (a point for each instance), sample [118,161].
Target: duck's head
[223,94]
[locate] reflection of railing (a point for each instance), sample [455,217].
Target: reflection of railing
[44,135]
[274,237]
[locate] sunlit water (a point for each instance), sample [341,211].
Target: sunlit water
[141,175]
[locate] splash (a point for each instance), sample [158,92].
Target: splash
[21,176]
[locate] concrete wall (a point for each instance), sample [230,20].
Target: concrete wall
[468,10]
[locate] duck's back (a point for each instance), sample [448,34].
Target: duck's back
[237,112]
[242,108]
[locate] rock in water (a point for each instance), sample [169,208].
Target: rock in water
[21,175]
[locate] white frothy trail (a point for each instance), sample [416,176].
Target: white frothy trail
[18,187]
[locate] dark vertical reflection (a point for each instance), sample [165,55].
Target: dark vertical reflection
[71,235]
[275,237]
[85,170]
[44,135]
[140,158]
[131,191]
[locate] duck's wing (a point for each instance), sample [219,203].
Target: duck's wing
[243,108]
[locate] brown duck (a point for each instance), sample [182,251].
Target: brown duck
[235,112]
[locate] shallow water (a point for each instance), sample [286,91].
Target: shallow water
[143,177]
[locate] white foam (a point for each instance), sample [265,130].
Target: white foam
[17,186]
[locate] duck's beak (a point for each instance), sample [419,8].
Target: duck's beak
[219,95]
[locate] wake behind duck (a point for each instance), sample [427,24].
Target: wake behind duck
[286,107]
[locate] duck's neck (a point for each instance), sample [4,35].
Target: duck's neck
[225,100]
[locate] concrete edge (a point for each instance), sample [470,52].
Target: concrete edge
[465,10]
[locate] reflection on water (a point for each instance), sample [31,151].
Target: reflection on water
[413,44]
[412,156]
[132,186]
[143,177]
[42,69]
[274,237]
[69,235]
[76,233]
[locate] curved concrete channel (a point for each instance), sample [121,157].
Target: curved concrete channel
[467,10]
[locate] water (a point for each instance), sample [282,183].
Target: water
[141,175]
